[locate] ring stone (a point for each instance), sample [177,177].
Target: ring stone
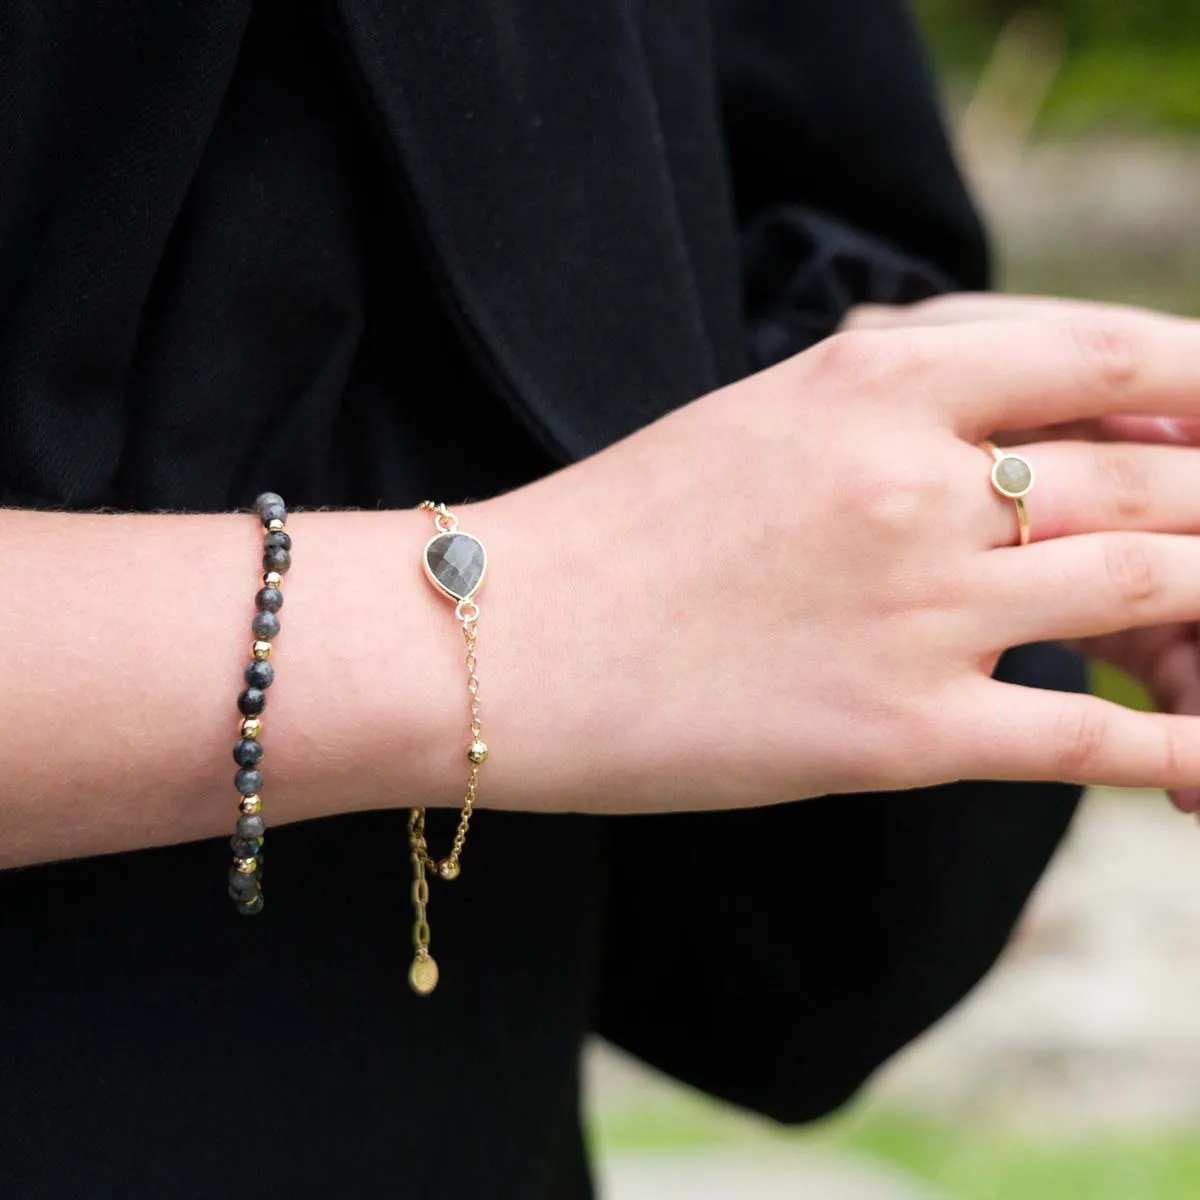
[1012,476]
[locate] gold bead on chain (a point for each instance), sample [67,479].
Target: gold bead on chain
[455,563]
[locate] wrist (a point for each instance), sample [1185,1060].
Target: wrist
[560,650]
[375,693]
[517,631]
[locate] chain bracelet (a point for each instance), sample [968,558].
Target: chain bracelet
[455,564]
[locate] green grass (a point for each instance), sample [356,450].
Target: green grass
[1137,88]
[966,1164]
[976,1165]
[674,1120]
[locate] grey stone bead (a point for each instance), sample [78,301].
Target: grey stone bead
[252,701]
[270,507]
[241,883]
[244,847]
[251,826]
[275,559]
[268,599]
[265,625]
[252,905]
[279,540]
[259,674]
[248,781]
[256,887]
[248,752]
[457,561]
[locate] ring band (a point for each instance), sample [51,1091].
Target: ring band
[1012,479]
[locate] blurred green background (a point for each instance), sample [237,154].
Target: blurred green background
[1129,64]
[1075,1072]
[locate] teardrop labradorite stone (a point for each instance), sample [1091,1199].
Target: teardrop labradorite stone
[1012,475]
[456,562]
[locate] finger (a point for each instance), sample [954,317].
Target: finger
[959,307]
[1178,431]
[1026,734]
[991,376]
[1173,678]
[1171,431]
[1187,800]
[875,316]
[1166,658]
[1080,587]
[1140,653]
[1090,487]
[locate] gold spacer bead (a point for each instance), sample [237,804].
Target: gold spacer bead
[449,868]
[275,525]
[272,579]
[251,727]
[477,752]
[246,866]
[251,804]
[261,651]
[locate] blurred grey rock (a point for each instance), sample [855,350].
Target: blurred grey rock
[1093,1019]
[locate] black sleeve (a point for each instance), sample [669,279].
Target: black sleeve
[777,957]
[845,186]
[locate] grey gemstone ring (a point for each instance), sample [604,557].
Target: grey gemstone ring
[1012,479]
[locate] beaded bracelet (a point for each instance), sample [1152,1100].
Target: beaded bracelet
[245,876]
[455,564]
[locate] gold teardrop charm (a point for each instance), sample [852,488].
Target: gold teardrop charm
[423,974]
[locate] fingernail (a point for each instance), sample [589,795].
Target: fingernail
[1172,428]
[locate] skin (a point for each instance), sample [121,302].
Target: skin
[796,585]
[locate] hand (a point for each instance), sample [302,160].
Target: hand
[1164,658]
[800,584]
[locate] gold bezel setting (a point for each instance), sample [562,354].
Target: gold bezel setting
[437,583]
[1000,489]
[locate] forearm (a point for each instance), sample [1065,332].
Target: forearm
[123,639]
[742,603]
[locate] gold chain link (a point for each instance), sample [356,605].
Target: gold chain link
[423,974]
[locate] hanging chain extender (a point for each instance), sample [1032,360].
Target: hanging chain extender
[459,583]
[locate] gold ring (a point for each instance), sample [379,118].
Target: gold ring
[1012,479]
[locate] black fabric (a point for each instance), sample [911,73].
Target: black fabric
[249,245]
[803,946]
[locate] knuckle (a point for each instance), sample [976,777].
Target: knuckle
[1079,737]
[867,362]
[848,358]
[1125,480]
[1110,353]
[1133,573]
[894,498]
